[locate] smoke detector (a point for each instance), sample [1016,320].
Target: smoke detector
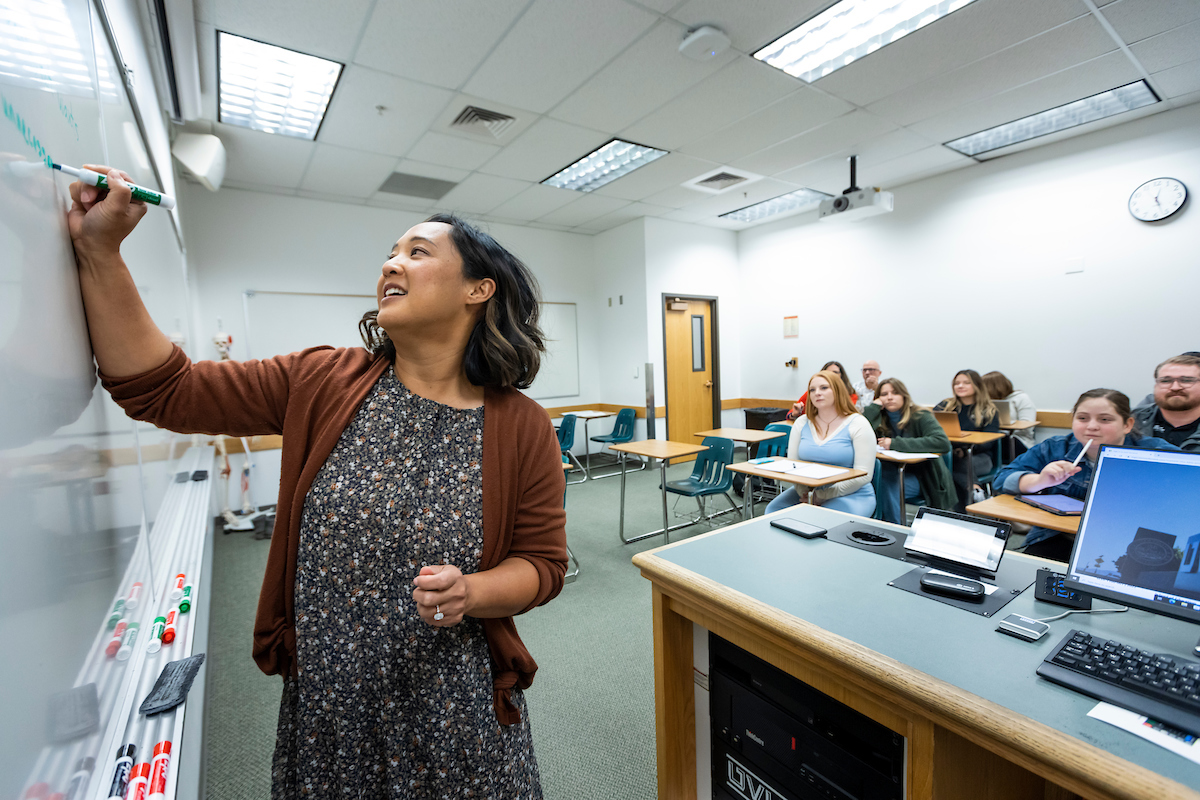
[704,43]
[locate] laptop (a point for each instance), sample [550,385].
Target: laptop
[958,543]
[949,422]
[1008,414]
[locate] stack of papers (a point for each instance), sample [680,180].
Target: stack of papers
[806,470]
[905,456]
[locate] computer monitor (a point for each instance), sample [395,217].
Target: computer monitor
[1139,537]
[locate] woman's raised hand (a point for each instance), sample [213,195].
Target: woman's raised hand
[99,220]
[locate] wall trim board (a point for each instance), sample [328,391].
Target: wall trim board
[125,456]
[640,411]
[754,402]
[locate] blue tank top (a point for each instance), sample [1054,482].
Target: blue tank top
[837,450]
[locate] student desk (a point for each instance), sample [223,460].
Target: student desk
[743,435]
[588,416]
[970,439]
[1010,428]
[978,721]
[664,451]
[1005,506]
[796,480]
[901,463]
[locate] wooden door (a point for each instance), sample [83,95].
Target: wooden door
[688,337]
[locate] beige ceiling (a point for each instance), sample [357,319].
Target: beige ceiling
[576,73]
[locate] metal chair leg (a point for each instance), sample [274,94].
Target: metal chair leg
[578,466]
[572,574]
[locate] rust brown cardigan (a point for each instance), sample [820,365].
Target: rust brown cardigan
[309,398]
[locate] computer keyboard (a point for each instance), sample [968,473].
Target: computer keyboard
[1162,687]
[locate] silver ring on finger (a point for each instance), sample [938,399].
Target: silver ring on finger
[438,615]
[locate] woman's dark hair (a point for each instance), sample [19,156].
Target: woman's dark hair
[506,346]
[1119,400]
[842,372]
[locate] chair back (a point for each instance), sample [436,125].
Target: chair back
[623,428]
[877,485]
[566,432]
[776,446]
[709,467]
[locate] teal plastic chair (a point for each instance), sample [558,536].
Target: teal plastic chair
[566,440]
[877,485]
[997,464]
[771,447]
[621,433]
[709,476]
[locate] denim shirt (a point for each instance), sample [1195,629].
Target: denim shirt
[1062,448]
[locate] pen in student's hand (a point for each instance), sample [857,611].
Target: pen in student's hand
[1082,453]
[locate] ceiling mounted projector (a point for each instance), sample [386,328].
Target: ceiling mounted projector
[704,43]
[855,203]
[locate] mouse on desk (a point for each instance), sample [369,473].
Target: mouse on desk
[953,586]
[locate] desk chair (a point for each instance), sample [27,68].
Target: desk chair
[621,433]
[572,574]
[566,440]
[771,447]
[997,464]
[877,485]
[709,476]
[947,457]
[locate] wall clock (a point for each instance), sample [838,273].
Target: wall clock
[1157,199]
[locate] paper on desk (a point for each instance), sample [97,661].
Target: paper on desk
[813,471]
[1177,741]
[905,456]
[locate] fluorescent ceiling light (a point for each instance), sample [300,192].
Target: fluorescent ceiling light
[849,30]
[1089,109]
[604,165]
[792,202]
[268,88]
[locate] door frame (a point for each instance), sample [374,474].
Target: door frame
[716,353]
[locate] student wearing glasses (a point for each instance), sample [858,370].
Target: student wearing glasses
[1175,413]
[1101,416]
[869,385]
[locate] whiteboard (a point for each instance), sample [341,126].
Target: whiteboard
[559,374]
[284,322]
[73,501]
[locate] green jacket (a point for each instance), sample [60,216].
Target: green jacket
[923,434]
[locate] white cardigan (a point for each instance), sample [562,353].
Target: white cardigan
[864,454]
[1025,410]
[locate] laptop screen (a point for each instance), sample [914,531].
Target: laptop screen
[973,541]
[1139,538]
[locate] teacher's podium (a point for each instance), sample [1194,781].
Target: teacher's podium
[976,719]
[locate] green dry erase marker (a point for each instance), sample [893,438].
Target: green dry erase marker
[139,192]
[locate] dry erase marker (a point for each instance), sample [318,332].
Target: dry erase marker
[135,596]
[177,589]
[117,613]
[91,178]
[159,766]
[1082,453]
[185,603]
[120,781]
[139,782]
[126,648]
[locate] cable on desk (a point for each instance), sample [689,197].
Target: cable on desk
[1116,610]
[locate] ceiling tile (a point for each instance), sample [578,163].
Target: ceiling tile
[535,202]
[647,75]
[1058,49]
[743,87]
[832,174]
[264,158]
[659,6]
[970,33]
[544,149]
[354,121]
[916,165]
[412,167]
[1135,20]
[389,200]
[749,25]
[452,151]
[733,200]
[798,112]
[585,209]
[622,215]
[1099,75]
[479,194]
[1170,49]
[834,137]
[555,47]
[1180,80]
[408,38]
[337,170]
[675,197]
[670,170]
[328,30]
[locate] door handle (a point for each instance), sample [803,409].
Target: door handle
[708,384]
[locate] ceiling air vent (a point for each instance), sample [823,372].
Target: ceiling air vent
[480,121]
[416,186]
[721,179]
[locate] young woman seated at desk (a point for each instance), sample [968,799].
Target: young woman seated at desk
[1102,416]
[975,413]
[999,387]
[832,432]
[837,369]
[903,426]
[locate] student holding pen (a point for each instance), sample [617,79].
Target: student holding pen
[1064,464]
[420,506]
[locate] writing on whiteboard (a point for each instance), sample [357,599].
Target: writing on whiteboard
[12,116]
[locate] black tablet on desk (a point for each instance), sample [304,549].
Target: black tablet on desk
[1060,504]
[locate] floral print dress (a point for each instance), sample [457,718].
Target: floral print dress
[386,706]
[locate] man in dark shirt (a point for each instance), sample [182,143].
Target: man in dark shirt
[1175,413]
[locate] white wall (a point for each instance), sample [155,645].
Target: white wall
[970,272]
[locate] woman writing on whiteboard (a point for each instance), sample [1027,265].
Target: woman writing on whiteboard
[420,507]
[832,432]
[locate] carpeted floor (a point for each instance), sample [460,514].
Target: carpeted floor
[591,706]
